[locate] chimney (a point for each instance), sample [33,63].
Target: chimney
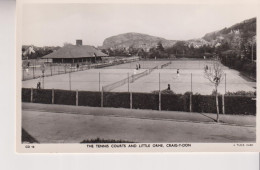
[79,42]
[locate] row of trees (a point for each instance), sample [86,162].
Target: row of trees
[180,49]
[38,52]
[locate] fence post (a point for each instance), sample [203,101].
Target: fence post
[33,72]
[160,101]
[128,81]
[102,97]
[159,82]
[70,80]
[23,73]
[223,104]
[99,81]
[52,96]
[190,102]
[131,100]
[225,83]
[77,98]
[51,69]
[191,82]
[43,81]
[31,95]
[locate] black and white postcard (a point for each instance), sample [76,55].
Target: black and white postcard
[136,77]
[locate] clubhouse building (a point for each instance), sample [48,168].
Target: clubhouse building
[76,54]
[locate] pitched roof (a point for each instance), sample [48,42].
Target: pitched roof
[74,51]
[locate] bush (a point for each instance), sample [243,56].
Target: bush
[65,97]
[188,56]
[166,91]
[117,100]
[26,95]
[145,101]
[242,93]
[42,96]
[87,98]
[238,65]
[240,105]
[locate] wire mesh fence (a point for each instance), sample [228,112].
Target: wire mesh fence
[34,69]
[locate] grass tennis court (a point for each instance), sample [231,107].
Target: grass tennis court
[94,79]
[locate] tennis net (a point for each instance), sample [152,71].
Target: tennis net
[129,79]
[166,64]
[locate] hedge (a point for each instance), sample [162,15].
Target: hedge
[87,98]
[145,101]
[243,105]
[237,105]
[42,96]
[117,100]
[26,95]
[206,104]
[175,102]
[65,97]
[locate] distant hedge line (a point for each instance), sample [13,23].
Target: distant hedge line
[241,105]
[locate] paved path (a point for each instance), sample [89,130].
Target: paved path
[71,124]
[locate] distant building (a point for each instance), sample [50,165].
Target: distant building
[76,54]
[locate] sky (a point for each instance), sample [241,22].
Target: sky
[55,24]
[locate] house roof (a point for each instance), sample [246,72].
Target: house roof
[74,51]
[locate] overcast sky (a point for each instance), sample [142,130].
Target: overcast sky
[54,24]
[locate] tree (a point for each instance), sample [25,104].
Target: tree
[66,44]
[214,74]
[160,46]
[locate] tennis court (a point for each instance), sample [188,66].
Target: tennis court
[191,78]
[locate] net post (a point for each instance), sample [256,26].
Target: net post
[223,103]
[31,95]
[77,98]
[52,96]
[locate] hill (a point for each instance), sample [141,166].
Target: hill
[135,40]
[232,35]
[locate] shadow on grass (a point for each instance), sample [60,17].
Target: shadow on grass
[98,140]
[215,120]
[26,137]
